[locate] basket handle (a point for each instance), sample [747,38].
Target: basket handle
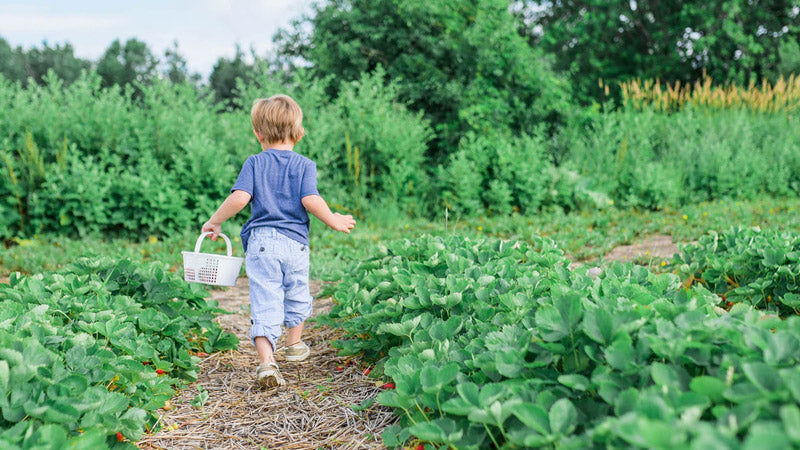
[208,233]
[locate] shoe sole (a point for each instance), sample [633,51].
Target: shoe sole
[270,381]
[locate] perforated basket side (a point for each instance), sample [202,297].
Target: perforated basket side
[208,268]
[207,273]
[191,266]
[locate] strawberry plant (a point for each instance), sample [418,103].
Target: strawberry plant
[88,353]
[750,265]
[492,343]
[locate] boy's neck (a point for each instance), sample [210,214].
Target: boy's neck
[278,146]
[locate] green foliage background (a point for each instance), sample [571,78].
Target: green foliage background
[478,107]
[83,159]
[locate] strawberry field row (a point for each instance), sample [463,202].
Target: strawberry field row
[87,354]
[493,343]
[750,265]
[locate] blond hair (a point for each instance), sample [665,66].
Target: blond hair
[277,119]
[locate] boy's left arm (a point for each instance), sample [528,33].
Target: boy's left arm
[229,208]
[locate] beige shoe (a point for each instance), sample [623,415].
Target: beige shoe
[269,375]
[297,352]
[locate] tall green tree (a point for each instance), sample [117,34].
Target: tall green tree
[61,59]
[615,40]
[175,68]
[10,65]
[122,64]
[461,61]
[226,72]
[19,65]
[789,52]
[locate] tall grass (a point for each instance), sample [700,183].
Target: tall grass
[781,96]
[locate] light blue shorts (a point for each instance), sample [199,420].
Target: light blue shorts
[277,268]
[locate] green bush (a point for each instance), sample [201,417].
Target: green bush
[80,160]
[649,159]
[497,174]
[500,175]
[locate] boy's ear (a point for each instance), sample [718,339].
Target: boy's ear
[258,136]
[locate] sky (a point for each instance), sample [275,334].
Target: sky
[204,29]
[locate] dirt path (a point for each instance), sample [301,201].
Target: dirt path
[658,247]
[312,411]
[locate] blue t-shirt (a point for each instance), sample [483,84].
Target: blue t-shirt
[278,180]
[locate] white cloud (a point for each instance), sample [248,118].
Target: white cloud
[45,23]
[219,5]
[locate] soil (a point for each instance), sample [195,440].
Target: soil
[656,247]
[313,410]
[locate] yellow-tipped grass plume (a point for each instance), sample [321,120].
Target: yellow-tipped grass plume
[782,96]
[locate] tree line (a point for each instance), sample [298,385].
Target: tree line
[479,66]
[130,62]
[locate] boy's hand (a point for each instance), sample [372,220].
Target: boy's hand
[343,223]
[214,228]
[316,205]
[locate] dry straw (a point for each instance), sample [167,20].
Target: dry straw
[313,411]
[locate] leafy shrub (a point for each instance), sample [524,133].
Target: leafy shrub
[83,351]
[499,343]
[499,175]
[80,159]
[649,160]
[747,265]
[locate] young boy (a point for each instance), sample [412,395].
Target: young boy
[282,186]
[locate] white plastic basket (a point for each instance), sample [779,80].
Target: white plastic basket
[209,268]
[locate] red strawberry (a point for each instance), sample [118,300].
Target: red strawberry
[420,447]
[160,371]
[367,370]
[339,369]
[389,385]
[120,438]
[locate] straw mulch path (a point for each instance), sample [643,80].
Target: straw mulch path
[312,411]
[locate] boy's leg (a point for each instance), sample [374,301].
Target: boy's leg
[297,296]
[264,349]
[293,334]
[266,298]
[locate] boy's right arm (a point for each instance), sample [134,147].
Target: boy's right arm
[235,202]
[316,205]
